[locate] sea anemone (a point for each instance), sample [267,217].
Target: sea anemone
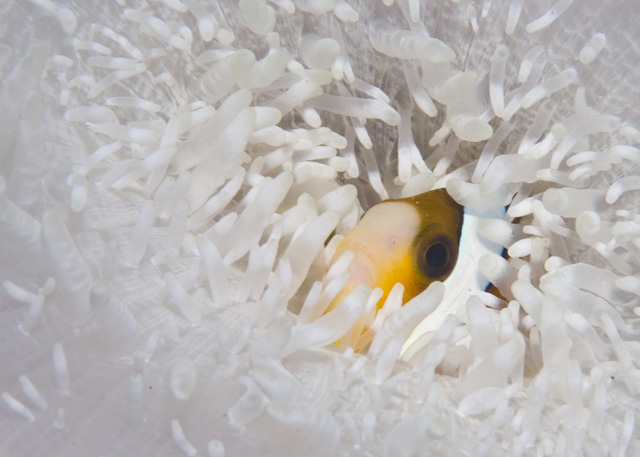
[176,175]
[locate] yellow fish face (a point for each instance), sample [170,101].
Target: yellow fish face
[413,241]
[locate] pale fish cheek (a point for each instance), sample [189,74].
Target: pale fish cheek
[363,271]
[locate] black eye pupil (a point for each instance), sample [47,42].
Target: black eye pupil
[436,256]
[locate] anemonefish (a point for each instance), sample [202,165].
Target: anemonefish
[416,241]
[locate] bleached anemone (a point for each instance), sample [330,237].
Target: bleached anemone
[177,175]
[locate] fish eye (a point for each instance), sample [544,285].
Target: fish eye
[436,255]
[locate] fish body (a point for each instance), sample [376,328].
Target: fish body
[416,241]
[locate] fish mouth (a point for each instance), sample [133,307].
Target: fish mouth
[363,267]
